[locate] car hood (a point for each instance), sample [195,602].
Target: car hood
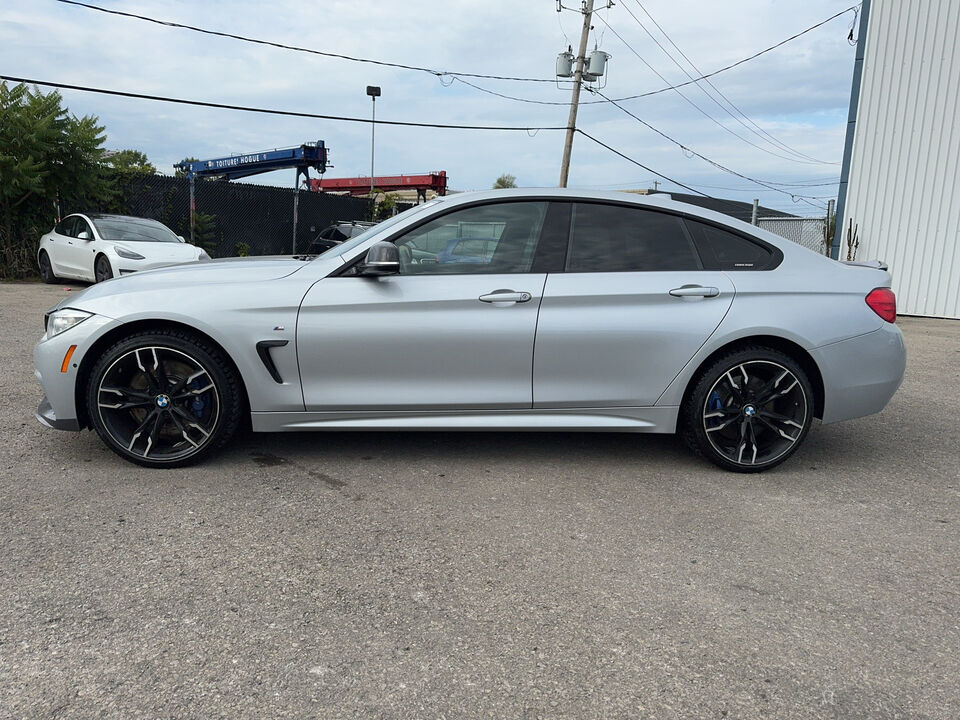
[183,277]
[161,251]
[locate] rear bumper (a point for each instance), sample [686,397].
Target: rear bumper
[861,374]
[47,416]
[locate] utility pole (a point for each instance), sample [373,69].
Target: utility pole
[575,98]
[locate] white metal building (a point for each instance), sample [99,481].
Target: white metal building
[902,160]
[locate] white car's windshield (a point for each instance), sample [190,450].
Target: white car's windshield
[356,240]
[117,229]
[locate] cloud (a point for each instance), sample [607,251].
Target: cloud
[798,93]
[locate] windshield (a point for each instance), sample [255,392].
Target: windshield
[356,240]
[133,230]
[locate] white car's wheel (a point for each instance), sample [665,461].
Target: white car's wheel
[101,269]
[46,268]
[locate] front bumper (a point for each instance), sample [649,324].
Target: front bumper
[861,374]
[58,409]
[46,415]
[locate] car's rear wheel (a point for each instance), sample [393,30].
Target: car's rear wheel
[101,269]
[46,268]
[164,398]
[749,410]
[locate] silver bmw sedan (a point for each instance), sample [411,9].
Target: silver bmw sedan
[510,309]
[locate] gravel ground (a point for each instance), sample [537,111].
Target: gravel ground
[482,575]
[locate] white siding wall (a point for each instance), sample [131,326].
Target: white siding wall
[904,190]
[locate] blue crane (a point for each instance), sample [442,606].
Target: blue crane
[232,167]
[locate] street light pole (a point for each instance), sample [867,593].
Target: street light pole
[374,92]
[575,99]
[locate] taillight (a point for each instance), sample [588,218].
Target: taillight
[884,303]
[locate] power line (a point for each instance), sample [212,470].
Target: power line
[794,196]
[638,163]
[283,46]
[441,74]
[748,58]
[733,204]
[753,188]
[743,118]
[268,111]
[697,107]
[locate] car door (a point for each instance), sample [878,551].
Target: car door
[632,307]
[61,240]
[436,336]
[74,254]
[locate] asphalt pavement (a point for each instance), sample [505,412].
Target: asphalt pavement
[502,575]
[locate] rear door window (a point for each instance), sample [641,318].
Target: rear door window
[616,238]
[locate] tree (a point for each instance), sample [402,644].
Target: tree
[505,181]
[130,162]
[48,158]
[385,208]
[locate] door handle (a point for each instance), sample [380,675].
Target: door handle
[505,296]
[695,291]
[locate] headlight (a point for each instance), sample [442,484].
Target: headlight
[128,254]
[203,255]
[64,319]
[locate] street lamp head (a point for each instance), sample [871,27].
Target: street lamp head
[373,90]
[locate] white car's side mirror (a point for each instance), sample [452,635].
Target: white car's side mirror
[181,238]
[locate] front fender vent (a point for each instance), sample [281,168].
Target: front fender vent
[263,350]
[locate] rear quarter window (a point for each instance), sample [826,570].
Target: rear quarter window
[725,250]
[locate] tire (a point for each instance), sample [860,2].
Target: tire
[164,398]
[749,410]
[46,268]
[101,269]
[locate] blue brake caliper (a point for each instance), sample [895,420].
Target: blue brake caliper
[198,404]
[714,403]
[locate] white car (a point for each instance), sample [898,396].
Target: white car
[97,247]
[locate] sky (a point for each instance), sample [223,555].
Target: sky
[794,100]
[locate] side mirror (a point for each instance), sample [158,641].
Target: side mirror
[181,238]
[84,235]
[382,259]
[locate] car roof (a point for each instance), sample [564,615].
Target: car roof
[662,201]
[111,216]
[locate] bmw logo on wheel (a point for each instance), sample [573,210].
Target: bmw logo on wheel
[162,401]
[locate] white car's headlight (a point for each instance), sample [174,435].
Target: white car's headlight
[64,319]
[128,254]
[202,255]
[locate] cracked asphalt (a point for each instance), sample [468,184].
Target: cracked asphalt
[507,575]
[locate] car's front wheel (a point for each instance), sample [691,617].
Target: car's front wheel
[749,410]
[101,269]
[164,398]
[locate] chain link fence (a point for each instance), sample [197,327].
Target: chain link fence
[809,232]
[235,218]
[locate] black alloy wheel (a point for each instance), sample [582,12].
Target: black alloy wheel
[101,269]
[749,411]
[164,399]
[46,269]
